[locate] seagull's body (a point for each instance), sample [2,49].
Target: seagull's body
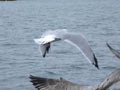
[75,39]
[62,84]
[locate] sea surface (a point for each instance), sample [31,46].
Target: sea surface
[24,20]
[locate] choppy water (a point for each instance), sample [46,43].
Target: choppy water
[22,21]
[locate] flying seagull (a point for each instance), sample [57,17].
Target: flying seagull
[115,52]
[75,39]
[61,84]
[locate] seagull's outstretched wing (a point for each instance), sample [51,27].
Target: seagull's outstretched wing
[81,43]
[113,51]
[44,49]
[52,84]
[62,84]
[109,80]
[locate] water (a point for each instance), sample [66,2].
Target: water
[22,21]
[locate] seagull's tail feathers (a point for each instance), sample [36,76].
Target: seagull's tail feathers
[38,41]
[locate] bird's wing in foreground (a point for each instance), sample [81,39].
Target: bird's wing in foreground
[61,84]
[109,80]
[52,84]
[81,43]
[114,51]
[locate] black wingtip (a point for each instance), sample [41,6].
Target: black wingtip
[115,52]
[96,62]
[31,76]
[108,45]
[97,66]
[35,81]
[44,55]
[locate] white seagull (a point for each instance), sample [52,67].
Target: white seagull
[75,39]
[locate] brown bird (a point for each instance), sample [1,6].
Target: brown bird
[115,52]
[62,84]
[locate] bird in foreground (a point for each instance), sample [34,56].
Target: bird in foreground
[62,84]
[115,52]
[75,39]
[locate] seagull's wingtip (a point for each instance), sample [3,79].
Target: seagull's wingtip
[44,55]
[97,66]
[95,62]
[30,76]
[108,45]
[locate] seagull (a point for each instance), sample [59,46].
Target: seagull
[115,52]
[61,84]
[76,39]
